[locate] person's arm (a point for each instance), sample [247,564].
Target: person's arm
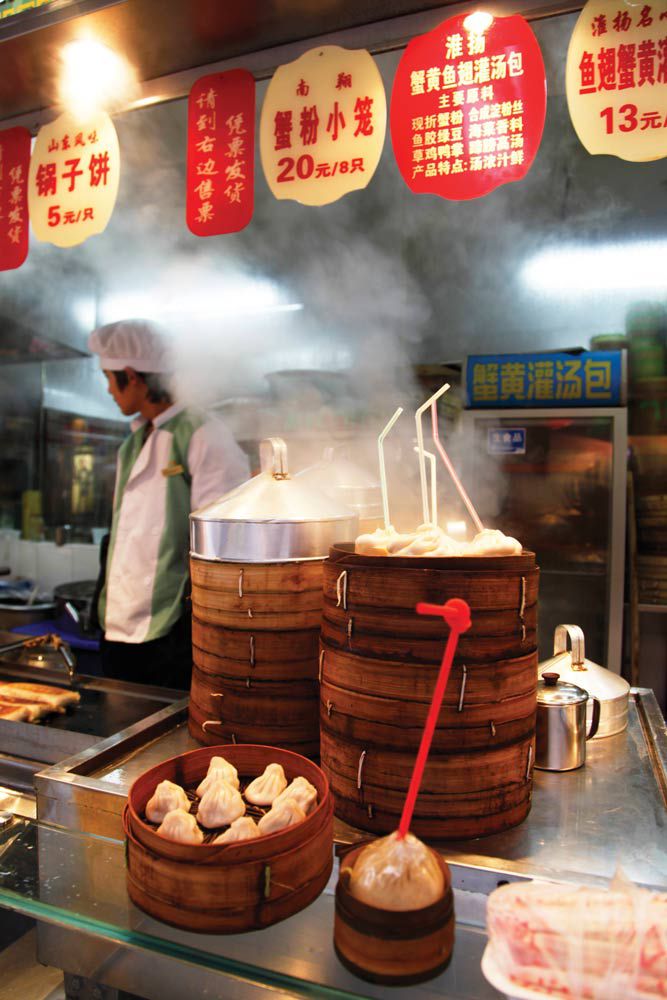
[216,463]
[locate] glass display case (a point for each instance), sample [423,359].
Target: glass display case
[556,479]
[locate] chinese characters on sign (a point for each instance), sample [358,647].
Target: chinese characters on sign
[73,181]
[592,378]
[616,79]
[14,162]
[323,125]
[467,110]
[506,441]
[220,185]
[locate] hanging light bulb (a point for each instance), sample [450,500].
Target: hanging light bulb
[94,78]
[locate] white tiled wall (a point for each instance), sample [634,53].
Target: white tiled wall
[49,564]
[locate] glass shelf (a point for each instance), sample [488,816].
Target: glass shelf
[77,881]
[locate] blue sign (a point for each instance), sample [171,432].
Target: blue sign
[591,378]
[506,441]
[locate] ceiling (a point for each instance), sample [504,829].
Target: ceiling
[165,37]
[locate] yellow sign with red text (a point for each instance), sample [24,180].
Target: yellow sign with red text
[73,179]
[323,125]
[616,79]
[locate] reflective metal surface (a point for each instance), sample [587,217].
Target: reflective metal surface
[270,518]
[612,691]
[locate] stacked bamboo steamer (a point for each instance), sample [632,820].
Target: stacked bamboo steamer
[379,664]
[256,564]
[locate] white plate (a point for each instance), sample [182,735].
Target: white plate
[498,979]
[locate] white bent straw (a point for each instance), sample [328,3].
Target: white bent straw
[383,471]
[434,492]
[450,469]
[420,446]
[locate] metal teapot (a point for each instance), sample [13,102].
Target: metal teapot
[560,734]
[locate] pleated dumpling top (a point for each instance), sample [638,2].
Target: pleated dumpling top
[220,806]
[267,787]
[166,797]
[243,828]
[301,790]
[283,814]
[181,827]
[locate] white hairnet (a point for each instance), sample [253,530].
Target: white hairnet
[131,343]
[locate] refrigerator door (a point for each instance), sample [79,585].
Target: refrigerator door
[556,480]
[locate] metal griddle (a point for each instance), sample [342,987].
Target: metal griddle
[107,707]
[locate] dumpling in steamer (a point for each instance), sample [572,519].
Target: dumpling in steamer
[217,777]
[181,827]
[394,874]
[243,828]
[166,797]
[218,765]
[263,790]
[301,790]
[220,805]
[283,814]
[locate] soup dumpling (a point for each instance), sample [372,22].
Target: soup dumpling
[267,787]
[283,814]
[181,827]
[221,804]
[301,790]
[397,874]
[166,797]
[243,828]
[219,765]
[216,777]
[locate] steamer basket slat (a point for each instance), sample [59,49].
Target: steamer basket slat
[379,664]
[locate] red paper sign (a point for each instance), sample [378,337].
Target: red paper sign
[467,108]
[221,153]
[616,79]
[14,163]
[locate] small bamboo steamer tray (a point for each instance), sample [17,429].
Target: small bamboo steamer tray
[394,947]
[228,888]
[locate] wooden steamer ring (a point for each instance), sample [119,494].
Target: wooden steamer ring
[228,888]
[397,948]
[255,647]
[379,663]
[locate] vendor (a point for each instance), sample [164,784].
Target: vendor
[173,462]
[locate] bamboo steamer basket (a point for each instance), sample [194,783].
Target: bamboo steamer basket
[397,948]
[256,567]
[228,888]
[378,665]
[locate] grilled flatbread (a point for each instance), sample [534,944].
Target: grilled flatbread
[15,713]
[35,709]
[57,698]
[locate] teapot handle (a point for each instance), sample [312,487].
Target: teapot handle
[595,721]
[576,637]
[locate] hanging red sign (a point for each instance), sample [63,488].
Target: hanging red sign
[617,79]
[468,106]
[220,193]
[323,125]
[14,164]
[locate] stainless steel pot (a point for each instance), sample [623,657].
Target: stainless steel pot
[560,737]
[271,518]
[612,691]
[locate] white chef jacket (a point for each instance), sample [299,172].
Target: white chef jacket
[184,464]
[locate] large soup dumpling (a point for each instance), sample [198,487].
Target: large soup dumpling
[263,790]
[301,790]
[220,805]
[216,777]
[166,797]
[285,813]
[180,826]
[243,828]
[218,765]
[397,874]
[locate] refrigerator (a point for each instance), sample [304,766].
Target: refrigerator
[556,479]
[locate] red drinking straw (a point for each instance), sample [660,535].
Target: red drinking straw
[457,615]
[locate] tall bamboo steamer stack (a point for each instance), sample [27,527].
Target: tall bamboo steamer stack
[378,664]
[256,565]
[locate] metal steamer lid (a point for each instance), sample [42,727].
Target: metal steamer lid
[345,481]
[552,691]
[573,667]
[270,518]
